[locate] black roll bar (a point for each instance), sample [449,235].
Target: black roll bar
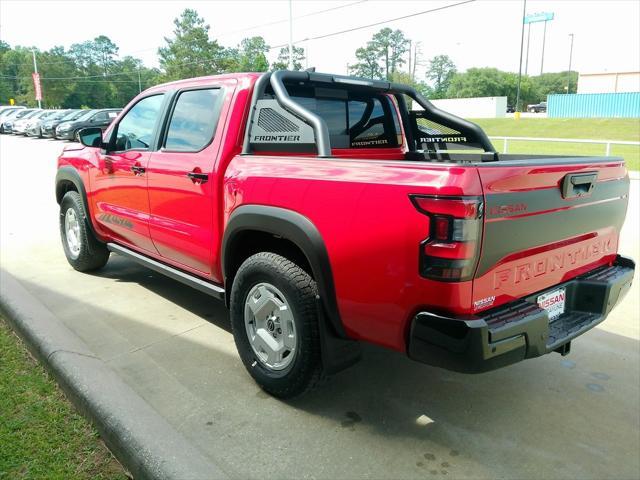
[321,132]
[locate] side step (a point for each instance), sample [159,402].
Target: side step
[186,278]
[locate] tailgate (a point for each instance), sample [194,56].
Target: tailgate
[546,223]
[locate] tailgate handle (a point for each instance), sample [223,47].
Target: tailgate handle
[578,184]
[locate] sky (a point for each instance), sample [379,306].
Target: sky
[482,33]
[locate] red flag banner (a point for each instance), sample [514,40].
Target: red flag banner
[36,85]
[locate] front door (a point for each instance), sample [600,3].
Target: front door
[182,187]
[119,184]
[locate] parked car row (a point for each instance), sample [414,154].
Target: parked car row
[60,124]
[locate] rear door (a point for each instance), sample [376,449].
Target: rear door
[119,184]
[183,191]
[547,221]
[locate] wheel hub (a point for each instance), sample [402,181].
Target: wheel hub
[72,232]
[270,327]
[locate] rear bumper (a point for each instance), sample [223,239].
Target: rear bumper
[521,329]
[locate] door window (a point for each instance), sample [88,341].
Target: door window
[99,117]
[135,130]
[193,120]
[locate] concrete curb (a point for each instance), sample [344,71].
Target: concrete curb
[146,445]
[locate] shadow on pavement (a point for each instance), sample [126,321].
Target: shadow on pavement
[387,416]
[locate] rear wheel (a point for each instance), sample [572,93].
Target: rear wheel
[83,250]
[275,324]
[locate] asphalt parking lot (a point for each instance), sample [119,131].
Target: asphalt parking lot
[387,417]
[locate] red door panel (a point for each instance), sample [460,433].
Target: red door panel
[120,200]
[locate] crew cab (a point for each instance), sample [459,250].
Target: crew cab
[326,213]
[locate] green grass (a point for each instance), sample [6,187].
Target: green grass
[626,129]
[41,436]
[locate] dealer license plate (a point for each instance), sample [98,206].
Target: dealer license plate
[553,302]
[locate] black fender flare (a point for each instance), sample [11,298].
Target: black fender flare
[299,230]
[69,174]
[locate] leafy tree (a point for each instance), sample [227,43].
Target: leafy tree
[282,63]
[190,53]
[550,83]
[252,55]
[406,78]
[440,71]
[391,46]
[97,52]
[491,82]
[368,65]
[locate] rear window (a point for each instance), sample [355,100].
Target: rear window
[193,120]
[354,121]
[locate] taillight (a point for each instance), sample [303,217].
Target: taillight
[450,252]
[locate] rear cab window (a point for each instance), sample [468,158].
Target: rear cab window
[354,120]
[193,120]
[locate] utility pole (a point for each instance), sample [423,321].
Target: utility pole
[416,55]
[290,37]
[526,63]
[524,13]
[35,70]
[544,39]
[570,58]
[139,82]
[410,54]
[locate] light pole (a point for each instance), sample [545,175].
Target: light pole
[544,39]
[35,70]
[524,13]
[526,63]
[290,37]
[570,58]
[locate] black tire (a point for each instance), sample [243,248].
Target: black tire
[92,254]
[300,291]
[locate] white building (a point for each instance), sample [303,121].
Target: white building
[480,107]
[609,82]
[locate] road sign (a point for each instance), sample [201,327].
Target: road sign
[538,17]
[12,101]
[36,86]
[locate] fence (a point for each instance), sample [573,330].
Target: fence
[594,105]
[607,143]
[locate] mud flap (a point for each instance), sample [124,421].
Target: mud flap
[337,353]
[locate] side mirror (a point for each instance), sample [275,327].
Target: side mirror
[91,137]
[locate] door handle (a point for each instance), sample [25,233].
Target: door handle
[198,178]
[137,169]
[579,184]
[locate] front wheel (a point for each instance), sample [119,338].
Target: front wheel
[274,319]
[83,250]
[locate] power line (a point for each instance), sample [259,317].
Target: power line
[254,27]
[318,37]
[277,22]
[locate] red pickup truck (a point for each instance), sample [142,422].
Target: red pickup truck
[325,211]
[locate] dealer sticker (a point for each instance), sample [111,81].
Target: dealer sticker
[553,302]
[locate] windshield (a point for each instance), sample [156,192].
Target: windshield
[46,114]
[9,112]
[86,115]
[59,115]
[73,114]
[23,114]
[33,114]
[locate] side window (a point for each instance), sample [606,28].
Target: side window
[99,117]
[193,120]
[136,128]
